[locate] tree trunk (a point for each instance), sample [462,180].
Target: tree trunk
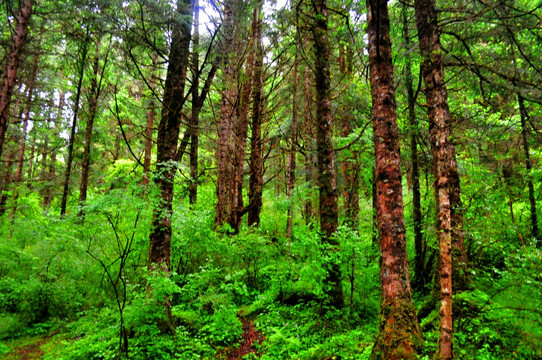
[227,119]
[10,74]
[67,175]
[419,244]
[167,141]
[399,334]
[443,159]
[94,93]
[350,164]
[256,160]
[52,161]
[329,214]
[22,142]
[194,119]
[150,125]
[309,146]
[292,144]
[528,165]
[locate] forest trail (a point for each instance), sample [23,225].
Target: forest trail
[251,338]
[30,350]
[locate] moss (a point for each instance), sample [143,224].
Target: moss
[400,335]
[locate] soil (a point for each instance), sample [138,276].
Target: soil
[248,345]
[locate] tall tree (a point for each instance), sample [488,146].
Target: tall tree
[94,95]
[328,210]
[399,332]
[166,144]
[12,66]
[350,164]
[291,164]
[256,159]
[444,161]
[419,245]
[227,114]
[82,60]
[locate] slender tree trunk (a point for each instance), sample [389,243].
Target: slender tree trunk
[6,176]
[310,151]
[150,125]
[443,158]
[329,214]
[194,120]
[227,119]
[22,142]
[399,334]
[52,162]
[241,131]
[528,165]
[67,175]
[350,164]
[292,145]
[10,74]
[167,141]
[256,160]
[419,244]
[94,93]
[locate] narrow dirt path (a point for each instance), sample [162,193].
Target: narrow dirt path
[28,351]
[251,338]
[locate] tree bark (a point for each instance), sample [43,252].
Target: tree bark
[52,161]
[328,207]
[240,131]
[443,159]
[167,141]
[10,74]
[22,142]
[194,119]
[528,166]
[420,276]
[256,161]
[94,93]
[350,165]
[67,175]
[227,119]
[292,143]
[310,151]
[150,125]
[399,333]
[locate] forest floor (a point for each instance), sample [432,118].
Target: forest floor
[248,345]
[29,348]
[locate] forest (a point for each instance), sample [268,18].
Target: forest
[270,179]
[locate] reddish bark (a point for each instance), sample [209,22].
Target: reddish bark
[443,158]
[10,74]
[399,334]
[256,160]
[22,142]
[240,131]
[329,214]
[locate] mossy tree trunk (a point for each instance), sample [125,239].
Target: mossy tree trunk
[399,332]
[329,213]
